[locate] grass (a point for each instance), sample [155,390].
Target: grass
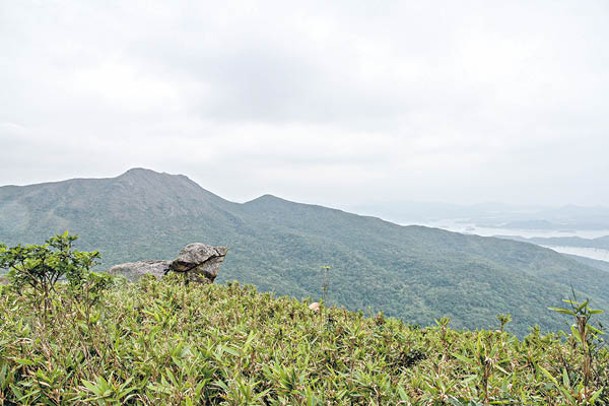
[159,342]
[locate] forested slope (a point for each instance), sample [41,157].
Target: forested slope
[416,273]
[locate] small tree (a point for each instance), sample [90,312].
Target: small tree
[39,267]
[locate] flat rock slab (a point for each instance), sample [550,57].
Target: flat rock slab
[135,270]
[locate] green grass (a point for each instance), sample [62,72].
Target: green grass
[159,342]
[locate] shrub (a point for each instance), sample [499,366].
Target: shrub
[34,270]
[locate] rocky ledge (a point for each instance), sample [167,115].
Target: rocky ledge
[198,262]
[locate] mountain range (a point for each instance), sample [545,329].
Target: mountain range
[416,273]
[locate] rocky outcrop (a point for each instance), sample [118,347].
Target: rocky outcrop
[198,262]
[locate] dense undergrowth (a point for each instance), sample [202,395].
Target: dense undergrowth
[160,342]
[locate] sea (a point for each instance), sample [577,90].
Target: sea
[463,227]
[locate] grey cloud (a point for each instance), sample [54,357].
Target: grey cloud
[258,83]
[438,100]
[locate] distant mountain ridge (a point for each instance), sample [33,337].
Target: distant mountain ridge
[495,215]
[416,273]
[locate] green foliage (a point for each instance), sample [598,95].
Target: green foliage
[503,320]
[418,274]
[37,269]
[160,342]
[587,337]
[41,266]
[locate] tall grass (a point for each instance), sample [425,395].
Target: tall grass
[160,342]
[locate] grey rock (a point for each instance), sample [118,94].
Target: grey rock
[135,270]
[198,262]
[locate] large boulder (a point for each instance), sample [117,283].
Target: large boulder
[198,262]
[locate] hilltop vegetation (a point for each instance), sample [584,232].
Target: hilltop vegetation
[160,342]
[418,274]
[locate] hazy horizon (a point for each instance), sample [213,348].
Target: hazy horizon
[347,205]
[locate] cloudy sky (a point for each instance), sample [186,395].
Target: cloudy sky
[336,103]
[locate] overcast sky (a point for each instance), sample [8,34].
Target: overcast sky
[329,102]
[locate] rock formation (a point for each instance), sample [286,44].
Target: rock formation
[198,262]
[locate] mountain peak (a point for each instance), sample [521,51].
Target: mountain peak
[267,197]
[164,186]
[266,200]
[138,171]
[144,175]
[144,172]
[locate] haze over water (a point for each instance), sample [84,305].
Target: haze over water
[471,228]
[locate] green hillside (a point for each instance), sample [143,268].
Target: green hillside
[159,342]
[602,265]
[415,273]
